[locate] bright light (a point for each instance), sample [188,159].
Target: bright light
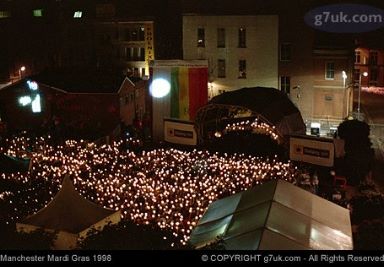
[217,134]
[38,13]
[160,88]
[344,75]
[78,14]
[365,74]
[22,68]
[25,100]
[315,125]
[32,85]
[36,105]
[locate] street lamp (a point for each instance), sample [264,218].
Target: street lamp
[365,74]
[21,70]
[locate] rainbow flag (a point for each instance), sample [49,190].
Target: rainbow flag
[189,87]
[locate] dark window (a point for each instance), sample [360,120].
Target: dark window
[141,34]
[200,37]
[242,69]
[373,58]
[105,10]
[357,57]
[285,52]
[142,54]
[221,37]
[221,68]
[242,38]
[129,53]
[373,76]
[356,75]
[127,35]
[285,84]
[142,72]
[329,70]
[134,35]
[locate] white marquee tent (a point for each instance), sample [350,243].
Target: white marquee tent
[70,215]
[275,216]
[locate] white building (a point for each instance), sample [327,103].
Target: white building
[242,51]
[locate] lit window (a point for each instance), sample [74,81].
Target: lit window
[78,14]
[4,14]
[329,70]
[38,13]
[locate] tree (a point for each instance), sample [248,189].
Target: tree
[359,154]
[128,235]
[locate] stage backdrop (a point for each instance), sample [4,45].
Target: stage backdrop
[178,88]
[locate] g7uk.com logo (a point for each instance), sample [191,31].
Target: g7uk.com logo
[344,18]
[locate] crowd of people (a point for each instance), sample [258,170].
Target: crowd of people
[167,188]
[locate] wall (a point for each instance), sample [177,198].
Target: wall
[261,52]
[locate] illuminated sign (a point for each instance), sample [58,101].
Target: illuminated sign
[25,100]
[179,132]
[318,151]
[32,85]
[36,104]
[33,99]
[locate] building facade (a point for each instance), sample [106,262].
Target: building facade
[242,51]
[126,43]
[316,71]
[371,61]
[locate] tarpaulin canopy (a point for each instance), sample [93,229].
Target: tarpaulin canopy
[271,105]
[71,215]
[275,216]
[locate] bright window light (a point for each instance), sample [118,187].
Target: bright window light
[78,14]
[4,14]
[36,104]
[33,85]
[160,88]
[25,100]
[38,13]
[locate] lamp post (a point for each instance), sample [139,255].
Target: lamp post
[21,70]
[365,74]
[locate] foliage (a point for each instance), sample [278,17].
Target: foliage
[367,207]
[358,150]
[370,235]
[36,240]
[129,236]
